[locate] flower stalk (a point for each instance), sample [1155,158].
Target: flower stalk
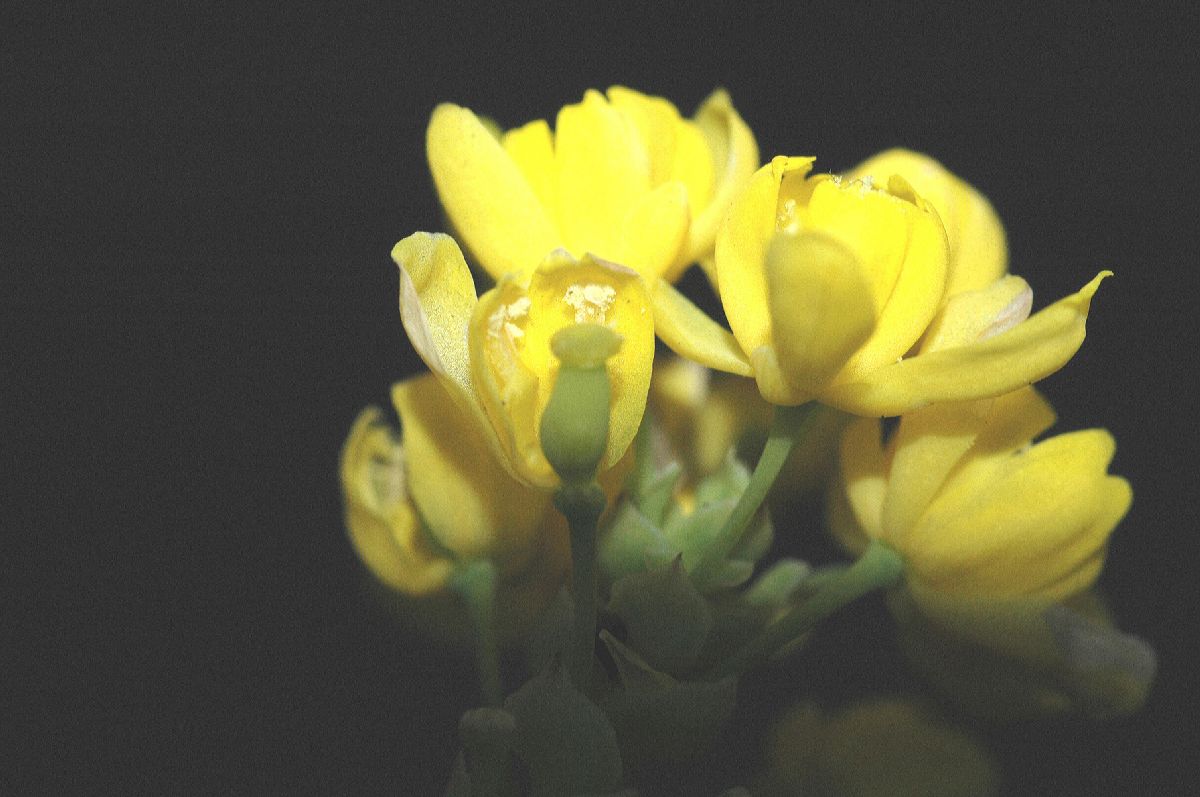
[787,428]
[476,583]
[878,568]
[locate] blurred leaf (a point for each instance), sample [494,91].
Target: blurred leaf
[659,719]
[564,739]
[667,620]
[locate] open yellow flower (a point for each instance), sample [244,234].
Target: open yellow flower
[417,507]
[829,283]
[975,510]
[977,249]
[493,353]
[622,177]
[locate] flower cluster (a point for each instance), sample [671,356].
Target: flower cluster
[550,444]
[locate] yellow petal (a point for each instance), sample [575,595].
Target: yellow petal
[690,332]
[820,304]
[507,386]
[381,520]
[653,230]
[437,296]
[1018,357]
[864,470]
[489,200]
[979,315]
[942,442]
[468,501]
[531,148]
[603,170]
[734,157]
[928,444]
[901,249]
[741,250]
[1036,525]
[657,122]
[978,254]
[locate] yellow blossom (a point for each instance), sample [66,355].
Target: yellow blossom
[417,507]
[493,353]
[977,249]
[974,509]
[623,177]
[828,284]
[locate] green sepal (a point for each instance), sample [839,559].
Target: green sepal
[659,719]
[566,742]
[666,619]
[630,543]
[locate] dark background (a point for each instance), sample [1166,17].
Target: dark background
[196,298]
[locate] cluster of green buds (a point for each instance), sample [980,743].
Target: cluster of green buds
[604,508]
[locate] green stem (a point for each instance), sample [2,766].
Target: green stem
[582,506]
[787,428]
[879,567]
[476,583]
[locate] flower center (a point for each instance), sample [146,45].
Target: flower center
[590,301]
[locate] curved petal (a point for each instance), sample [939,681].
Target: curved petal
[741,249]
[653,230]
[940,443]
[603,170]
[1000,364]
[507,387]
[382,523]
[978,254]
[691,333]
[437,296]
[734,155]
[820,304]
[467,499]
[657,123]
[1036,524]
[901,249]
[979,315]
[490,202]
[531,148]
[864,473]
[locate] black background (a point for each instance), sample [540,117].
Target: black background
[196,299]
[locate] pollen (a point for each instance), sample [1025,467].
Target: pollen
[501,324]
[590,301]
[786,219]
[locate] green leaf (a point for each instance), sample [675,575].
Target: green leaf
[658,718]
[667,620]
[564,739]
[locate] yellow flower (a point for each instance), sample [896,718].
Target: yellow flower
[622,177]
[828,284]
[416,508]
[493,353]
[974,509]
[978,254]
